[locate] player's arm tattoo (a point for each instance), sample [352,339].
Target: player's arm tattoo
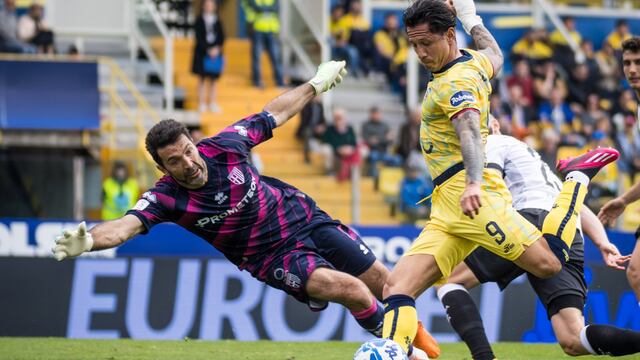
[467,127]
[487,44]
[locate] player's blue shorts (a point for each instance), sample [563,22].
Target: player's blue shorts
[323,243]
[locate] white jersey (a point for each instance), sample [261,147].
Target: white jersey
[531,183]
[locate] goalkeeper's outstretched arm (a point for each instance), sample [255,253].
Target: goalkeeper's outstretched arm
[103,236]
[285,106]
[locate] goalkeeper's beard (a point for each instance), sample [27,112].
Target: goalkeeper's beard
[193,178]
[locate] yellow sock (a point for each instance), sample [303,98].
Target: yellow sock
[400,320]
[562,219]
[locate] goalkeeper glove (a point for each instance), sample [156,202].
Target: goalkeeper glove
[73,243]
[329,74]
[466,12]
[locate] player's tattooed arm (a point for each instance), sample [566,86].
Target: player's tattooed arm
[487,44]
[114,233]
[467,126]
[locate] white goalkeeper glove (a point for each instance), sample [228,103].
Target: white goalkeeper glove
[73,243]
[329,74]
[466,13]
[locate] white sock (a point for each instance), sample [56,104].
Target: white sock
[446,288]
[585,342]
[578,176]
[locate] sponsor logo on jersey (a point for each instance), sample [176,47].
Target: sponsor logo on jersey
[150,196]
[220,198]
[239,206]
[236,176]
[141,205]
[460,97]
[242,131]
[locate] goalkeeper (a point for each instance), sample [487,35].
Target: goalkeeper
[262,225]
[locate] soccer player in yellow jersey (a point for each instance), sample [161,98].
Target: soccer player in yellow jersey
[471,205]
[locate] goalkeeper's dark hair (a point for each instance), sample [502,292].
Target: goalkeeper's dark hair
[631,45]
[164,133]
[435,13]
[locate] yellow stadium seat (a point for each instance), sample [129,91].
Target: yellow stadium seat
[389,179]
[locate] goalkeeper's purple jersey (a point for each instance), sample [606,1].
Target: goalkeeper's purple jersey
[238,211]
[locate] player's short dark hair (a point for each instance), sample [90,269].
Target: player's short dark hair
[164,133]
[435,13]
[631,45]
[621,22]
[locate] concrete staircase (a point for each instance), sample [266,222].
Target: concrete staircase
[282,156]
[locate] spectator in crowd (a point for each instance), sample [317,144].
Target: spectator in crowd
[534,45]
[550,140]
[208,59]
[628,140]
[609,70]
[619,34]
[588,117]
[414,188]
[626,104]
[593,108]
[580,86]
[377,137]
[342,152]
[545,79]
[562,52]
[557,113]
[119,192]
[341,48]
[519,111]
[263,19]
[522,77]
[602,133]
[354,29]
[312,126]
[409,137]
[590,60]
[34,30]
[9,41]
[391,52]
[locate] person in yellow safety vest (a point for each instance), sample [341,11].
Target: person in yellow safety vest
[263,21]
[119,192]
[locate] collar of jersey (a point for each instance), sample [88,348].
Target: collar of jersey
[465,57]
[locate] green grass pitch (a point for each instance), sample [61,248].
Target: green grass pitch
[59,348]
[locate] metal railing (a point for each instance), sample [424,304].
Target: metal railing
[136,118]
[147,24]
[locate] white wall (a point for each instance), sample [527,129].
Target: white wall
[89,17]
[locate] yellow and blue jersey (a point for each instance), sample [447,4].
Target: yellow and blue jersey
[461,85]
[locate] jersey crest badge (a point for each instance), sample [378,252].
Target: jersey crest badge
[236,176]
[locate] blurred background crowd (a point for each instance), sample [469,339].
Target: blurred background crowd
[560,94]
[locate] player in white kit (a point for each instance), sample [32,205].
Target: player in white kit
[534,188]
